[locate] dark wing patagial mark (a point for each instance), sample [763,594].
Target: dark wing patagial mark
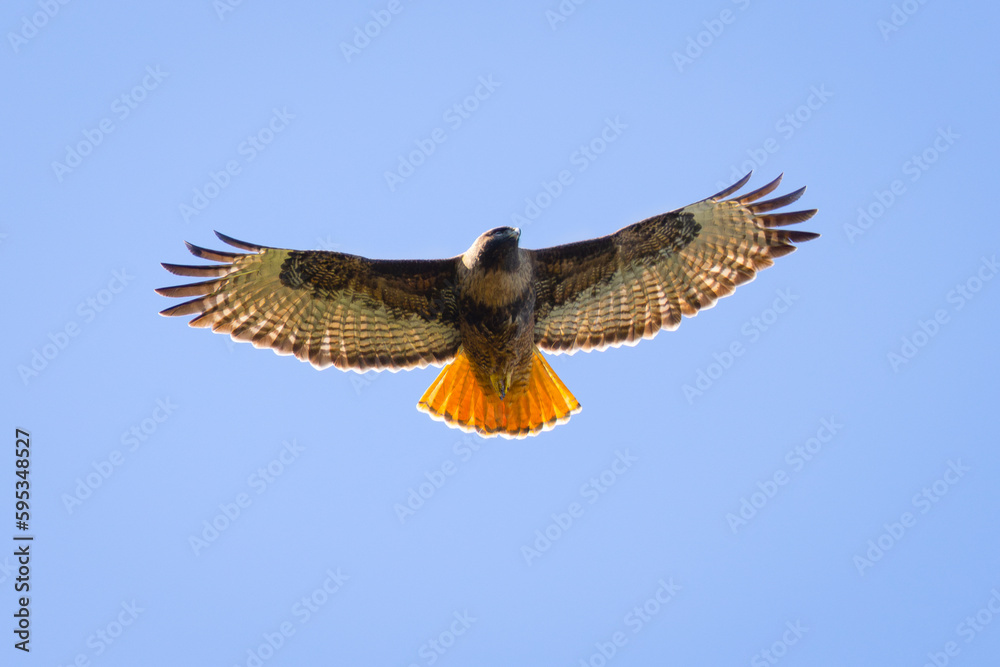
[325,307]
[621,288]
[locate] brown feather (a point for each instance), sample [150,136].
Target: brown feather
[324,307]
[760,192]
[777,202]
[624,287]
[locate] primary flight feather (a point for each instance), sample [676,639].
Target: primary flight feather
[490,312]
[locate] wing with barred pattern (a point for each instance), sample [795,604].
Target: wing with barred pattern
[621,288]
[327,308]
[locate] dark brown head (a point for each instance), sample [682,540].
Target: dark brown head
[493,250]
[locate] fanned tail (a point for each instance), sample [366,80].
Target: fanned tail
[456,398]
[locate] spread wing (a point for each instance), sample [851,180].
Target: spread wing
[325,307]
[621,288]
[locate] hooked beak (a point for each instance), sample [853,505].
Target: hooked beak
[511,233]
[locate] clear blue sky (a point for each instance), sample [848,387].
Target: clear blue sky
[829,495]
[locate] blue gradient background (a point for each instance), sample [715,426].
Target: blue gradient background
[119,563]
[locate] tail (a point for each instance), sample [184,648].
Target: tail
[456,398]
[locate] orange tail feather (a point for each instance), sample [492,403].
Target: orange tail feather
[456,398]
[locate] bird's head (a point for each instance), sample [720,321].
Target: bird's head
[495,249]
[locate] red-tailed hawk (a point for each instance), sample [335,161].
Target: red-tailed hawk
[490,312]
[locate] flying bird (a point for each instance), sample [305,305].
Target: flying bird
[489,313]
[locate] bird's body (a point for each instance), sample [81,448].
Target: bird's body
[490,312]
[498,382]
[496,311]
